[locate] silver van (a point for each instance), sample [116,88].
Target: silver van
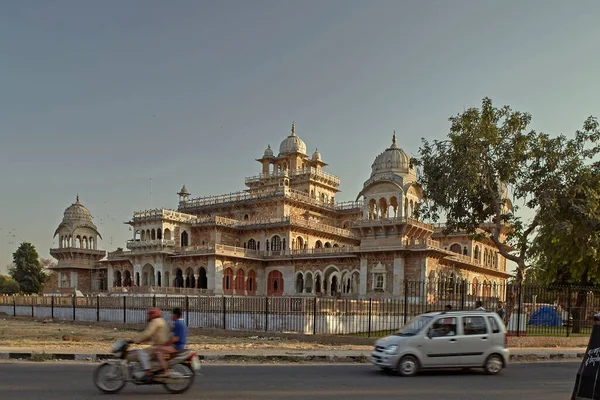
[447,339]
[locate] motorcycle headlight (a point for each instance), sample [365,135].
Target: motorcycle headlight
[393,349]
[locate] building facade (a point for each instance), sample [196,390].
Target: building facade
[287,235]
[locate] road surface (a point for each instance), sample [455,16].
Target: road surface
[530,381]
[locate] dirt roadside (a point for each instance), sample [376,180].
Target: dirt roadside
[49,335]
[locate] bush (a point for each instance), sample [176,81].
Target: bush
[9,285]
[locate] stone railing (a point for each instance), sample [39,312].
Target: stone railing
[393,221]
[322,227]
[160,214]
[223,221]
[294,173]
[158,290]
[324,251]
[137,244]
[349,205]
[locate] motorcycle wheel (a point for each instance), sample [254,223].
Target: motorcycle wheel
[181,385]
[112,372]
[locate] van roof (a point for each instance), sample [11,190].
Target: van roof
[458,312]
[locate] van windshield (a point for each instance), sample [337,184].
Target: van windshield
[413,326]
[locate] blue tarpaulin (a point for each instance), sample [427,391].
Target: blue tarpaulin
[545,316]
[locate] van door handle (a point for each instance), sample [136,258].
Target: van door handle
[453,340]
[484,338]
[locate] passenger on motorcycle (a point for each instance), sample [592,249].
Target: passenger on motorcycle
[158,333]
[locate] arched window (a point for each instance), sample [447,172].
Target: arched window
[153,234]
[117,281]
[251,283]
[184,239]
[178,278]
[240,280]
[275,243]
[202,279]
[456,248]
[167,234]
[475,288]
[246,217]
[299,283]
[477,253]
[327,245]
[252,244]
[159,234]
[228,281]
[127,279]
[275,283]
[318,244]
[465,251]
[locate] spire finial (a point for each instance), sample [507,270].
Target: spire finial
[394,137]
[293,128]
[77,200]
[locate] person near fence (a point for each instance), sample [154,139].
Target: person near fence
[179,339]
[479,306]
[157,332]
[500,311]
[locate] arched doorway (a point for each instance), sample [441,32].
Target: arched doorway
[202,279]
[148,275]
[178,282]
[228,281]
[117,281]
[127,278]
[275,283]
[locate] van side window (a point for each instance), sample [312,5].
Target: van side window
[474,326]
[494,325]
[443,327]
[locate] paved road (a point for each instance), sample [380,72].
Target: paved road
[548,381]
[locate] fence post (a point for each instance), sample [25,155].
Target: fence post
[33,299]
[187,311]
[124,309]
[405,302]
[98,308]
[224,313]
[315,315]
[52,307]
[266,313]
[73,300]
[520,305]
[463,294]
[14,305]
[370,314]
[154,301]
[568,308]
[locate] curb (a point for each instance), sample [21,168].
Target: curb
[43,356]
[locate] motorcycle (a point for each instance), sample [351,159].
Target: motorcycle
[112,375]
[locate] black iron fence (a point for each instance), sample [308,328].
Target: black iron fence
[532,310]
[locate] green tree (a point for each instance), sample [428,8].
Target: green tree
[566,249]
[27,270]
[488,151]
[8,285]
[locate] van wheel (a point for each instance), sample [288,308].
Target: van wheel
[408,366]
[493,364]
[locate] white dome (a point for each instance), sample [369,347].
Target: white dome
[268,152]
[316,155]
[77,212]
[77,216]
[393,159]
[292,144]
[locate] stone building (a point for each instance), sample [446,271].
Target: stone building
[77,253]
[286,234]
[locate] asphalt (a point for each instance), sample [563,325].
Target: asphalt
[70,380]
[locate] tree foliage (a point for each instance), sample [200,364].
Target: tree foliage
[27,270]
[566,248]
[489,151]
[8,285]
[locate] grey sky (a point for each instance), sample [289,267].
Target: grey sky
[98,97]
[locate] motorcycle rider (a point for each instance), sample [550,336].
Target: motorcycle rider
[158,333]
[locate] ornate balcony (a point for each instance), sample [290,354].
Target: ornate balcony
[150,245]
